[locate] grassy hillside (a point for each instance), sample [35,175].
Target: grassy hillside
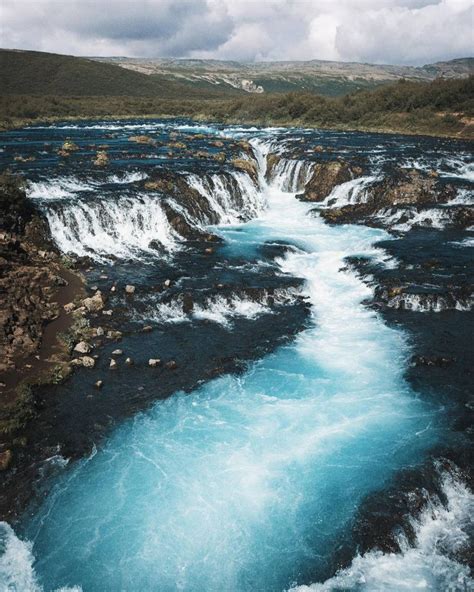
[441,107]
[38,73]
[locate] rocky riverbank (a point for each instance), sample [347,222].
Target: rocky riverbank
[37,328]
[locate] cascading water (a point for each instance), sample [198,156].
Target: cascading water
[351,192]
[291,175]
[250,482]
[231,197]
[124,227]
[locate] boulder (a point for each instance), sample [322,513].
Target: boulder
[129,289]
[85,361]
[94,303]
[83,347]
[117,352]
[113,365]
[142,140]
[153,362]
[116,335]
[69,146]
[171,365]
[99,384]
[101,158]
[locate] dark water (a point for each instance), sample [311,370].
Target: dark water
[297,417]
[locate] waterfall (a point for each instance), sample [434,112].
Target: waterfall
[122,227]
[291,175]
[232,197]
[135,222]
[351,192]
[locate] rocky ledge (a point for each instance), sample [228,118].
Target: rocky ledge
[399,199]
[326,176]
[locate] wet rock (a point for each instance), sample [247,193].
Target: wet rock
[84,361]
[433,361]
[83,347]
[398,191]
[158,185]
[6,458]
[220,157]
[247,166]
[142,140]
[147,329]
[88,362]
[24,158]
[101,159]
[171,365]
[153,362]
[188,303]
[326,176]
[129,289]
[116,335]
[167,283]
[70,146]
[94,303]
[463,217]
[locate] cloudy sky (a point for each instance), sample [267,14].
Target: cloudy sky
[379,31]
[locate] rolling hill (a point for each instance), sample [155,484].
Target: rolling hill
[38,73]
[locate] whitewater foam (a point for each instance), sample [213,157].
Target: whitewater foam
[220,309]
[441,533]
[122,227]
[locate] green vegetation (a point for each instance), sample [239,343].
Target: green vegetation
[442,107]
[38,86]
[38,73]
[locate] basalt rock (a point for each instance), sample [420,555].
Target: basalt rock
[101,159]
[16,210]
[326,176]
[272,161]
[95,303]
[248,166]
[142,140]
[397,190]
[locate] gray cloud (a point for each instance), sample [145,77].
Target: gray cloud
[380,31]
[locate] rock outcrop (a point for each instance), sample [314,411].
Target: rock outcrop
[34,287]
[398,190]
[326,176]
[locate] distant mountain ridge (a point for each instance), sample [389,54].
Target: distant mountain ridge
[325,77]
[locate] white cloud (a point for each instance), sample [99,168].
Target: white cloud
[382,31]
